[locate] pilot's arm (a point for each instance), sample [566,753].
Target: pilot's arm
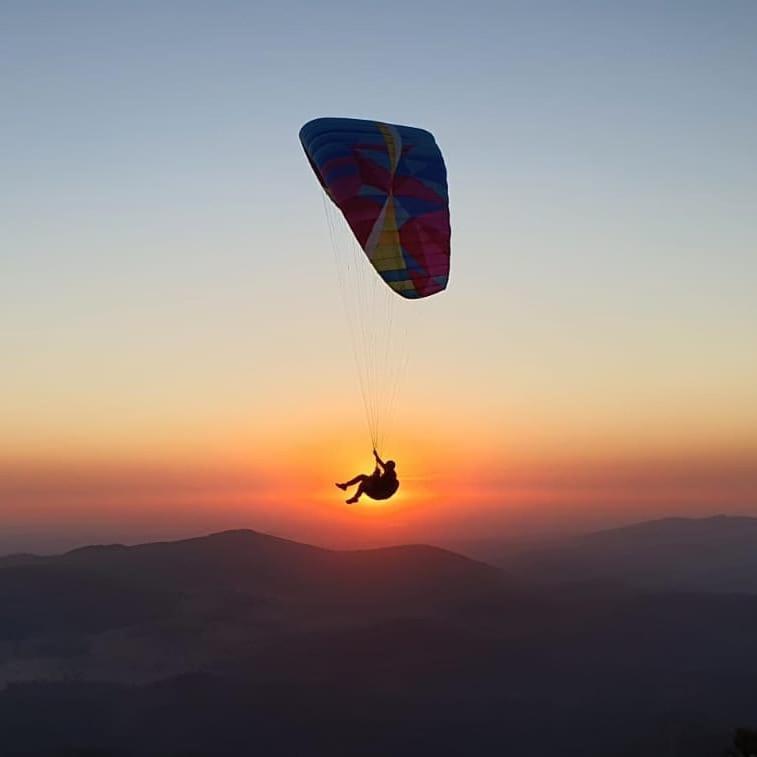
[379,461]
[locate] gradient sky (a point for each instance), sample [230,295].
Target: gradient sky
[172,340]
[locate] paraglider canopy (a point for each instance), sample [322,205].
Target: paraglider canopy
[390,183]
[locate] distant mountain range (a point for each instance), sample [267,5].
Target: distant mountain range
[241,643]
[717,554]
[263,583]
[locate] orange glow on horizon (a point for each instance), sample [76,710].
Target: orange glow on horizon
[454,480]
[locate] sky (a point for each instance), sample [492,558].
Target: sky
[175,357]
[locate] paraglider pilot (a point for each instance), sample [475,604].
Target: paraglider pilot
[381,484]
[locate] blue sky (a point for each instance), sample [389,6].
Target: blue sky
[164,255]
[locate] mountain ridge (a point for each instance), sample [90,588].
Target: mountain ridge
[711,554]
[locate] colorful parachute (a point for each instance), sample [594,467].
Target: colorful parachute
[390,183]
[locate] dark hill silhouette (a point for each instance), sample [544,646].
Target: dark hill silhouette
[243,643]
[715,554]
[255,563]
[101,587]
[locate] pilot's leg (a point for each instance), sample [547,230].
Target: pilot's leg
[356,496]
